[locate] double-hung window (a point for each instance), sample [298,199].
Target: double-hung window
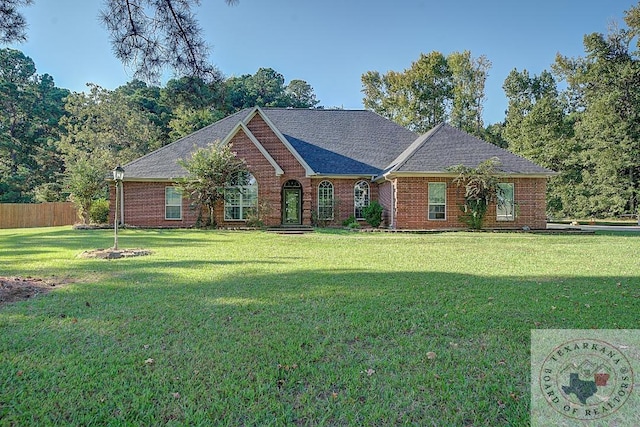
[505,206]
[240,197]
[172,203]
[437,200]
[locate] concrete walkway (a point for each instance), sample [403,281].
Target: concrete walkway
[629,228]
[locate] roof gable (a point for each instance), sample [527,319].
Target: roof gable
[241,127]
[445,146]
[258,111]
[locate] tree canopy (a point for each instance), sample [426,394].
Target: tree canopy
[31,107]
[435,89]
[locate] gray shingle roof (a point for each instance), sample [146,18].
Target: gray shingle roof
[445,146]
[163,163]
[343,142]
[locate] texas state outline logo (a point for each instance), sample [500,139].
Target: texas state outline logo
[586,379]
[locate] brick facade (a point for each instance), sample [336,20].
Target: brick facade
[144,206]
[343,194]
[413,204]
[405,199]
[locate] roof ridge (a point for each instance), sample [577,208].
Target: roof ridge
[347,110]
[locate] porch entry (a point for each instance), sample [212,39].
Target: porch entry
[292,203]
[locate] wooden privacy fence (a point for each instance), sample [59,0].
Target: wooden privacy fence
[25,215]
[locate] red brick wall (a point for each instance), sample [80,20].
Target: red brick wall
[412,205]
[144,202]
[385,197]
[343,196]
[144,206]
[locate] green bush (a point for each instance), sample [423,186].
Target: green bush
[256,216]
[373,214]
[99,211]
[349,221]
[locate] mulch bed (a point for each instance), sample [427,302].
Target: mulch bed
[111,253]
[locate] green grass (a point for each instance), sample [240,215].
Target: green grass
[332,328]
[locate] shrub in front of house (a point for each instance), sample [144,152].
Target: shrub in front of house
[99,211]
[351,222]
[373,214]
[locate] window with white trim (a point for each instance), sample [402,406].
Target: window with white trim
[437,201]
[172,203]
[325,200]
[360,198]
[505,206]
[240,197]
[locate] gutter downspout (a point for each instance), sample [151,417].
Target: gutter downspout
[393,203]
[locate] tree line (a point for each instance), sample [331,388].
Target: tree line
[589,132]
[55,143]
[581,118]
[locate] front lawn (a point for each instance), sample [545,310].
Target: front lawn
[330,328]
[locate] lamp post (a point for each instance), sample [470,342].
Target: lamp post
[118,175]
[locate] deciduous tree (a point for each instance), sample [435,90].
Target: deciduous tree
[604,87]
[469,76]
[210,171]
[104,130]
[188,120]
[480,189]
[433,90]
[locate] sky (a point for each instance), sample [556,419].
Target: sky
[331,43]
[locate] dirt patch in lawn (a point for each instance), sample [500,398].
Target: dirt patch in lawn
[14,289]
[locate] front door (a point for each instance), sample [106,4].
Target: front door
[292,198]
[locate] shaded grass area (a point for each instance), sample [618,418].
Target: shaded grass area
[249,328]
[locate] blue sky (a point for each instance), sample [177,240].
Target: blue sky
[331,43]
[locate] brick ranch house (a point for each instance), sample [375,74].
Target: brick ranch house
[325,165]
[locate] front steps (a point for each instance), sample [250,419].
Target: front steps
[291,229]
